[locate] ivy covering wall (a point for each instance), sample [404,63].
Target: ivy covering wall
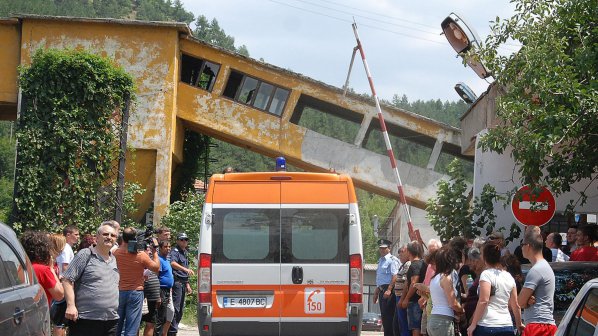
[68,139]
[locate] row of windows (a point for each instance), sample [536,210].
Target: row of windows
[240,87]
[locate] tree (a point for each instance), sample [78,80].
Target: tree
[548,107]
[68,141]
[210,32]
[451,214]
[448,212]
[7,161]
[370,205]
[185,216]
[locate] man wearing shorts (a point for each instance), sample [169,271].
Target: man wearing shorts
[537,295]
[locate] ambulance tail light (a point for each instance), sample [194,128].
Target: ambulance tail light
[204,278]
[356,279]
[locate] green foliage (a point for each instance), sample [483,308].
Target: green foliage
[161,10]
[132,190]
[448,212]
[446,112]
[96,8]
[210,32]
[451,214]
[370,205]
[67,138]
[549,90]
[185,216]
[329,124]
[148,10]
[195,151]
[7,161]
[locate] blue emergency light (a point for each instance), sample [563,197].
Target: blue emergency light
[281,164]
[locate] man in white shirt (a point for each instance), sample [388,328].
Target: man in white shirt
[554,241]
[71,233]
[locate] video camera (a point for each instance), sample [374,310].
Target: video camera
[142,240]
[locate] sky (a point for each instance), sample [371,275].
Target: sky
[404,49]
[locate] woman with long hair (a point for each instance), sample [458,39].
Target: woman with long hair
[57,243]
[37,247]
[442,292]
[497,292]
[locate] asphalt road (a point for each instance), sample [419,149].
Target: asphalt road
[193,331]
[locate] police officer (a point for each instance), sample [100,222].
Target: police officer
[386,276]
[180,269]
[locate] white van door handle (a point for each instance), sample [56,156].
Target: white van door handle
[297,274]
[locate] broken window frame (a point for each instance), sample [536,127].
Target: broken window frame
[202,68]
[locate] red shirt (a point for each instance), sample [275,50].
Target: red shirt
[46,278]
[586,253]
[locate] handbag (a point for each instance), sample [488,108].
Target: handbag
[144,307]
[57,311]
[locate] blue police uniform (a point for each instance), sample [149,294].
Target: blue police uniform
[179,288]
[388,266]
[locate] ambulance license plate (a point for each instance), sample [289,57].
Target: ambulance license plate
[244,302]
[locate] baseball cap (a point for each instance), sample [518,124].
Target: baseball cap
[182,236]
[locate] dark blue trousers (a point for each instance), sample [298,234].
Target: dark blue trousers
[387,310]
[179,290]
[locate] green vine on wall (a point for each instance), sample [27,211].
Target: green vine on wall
[68,138]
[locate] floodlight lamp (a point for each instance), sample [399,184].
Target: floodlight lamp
[466,93]
[458,34]
[463,39]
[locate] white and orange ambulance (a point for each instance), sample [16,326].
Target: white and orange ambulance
[280,254]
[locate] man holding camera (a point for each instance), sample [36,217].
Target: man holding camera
[181,271]
[132,259]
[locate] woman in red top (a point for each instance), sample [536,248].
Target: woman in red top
[586,236]
[37,247]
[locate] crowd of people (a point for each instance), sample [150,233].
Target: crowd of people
[476,287]
[112,283]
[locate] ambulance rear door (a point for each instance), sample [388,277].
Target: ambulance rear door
[246,258]
[314,258]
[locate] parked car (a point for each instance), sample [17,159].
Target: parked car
[23,303]
[371,322]
[582,316]
[570,277]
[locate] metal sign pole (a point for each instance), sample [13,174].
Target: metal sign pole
[393,163]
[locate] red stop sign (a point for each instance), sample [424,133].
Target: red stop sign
[533,209]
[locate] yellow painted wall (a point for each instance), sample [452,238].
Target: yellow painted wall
[9,60]
[141,169]
[146,52]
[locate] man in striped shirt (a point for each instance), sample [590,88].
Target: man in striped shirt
[91,288]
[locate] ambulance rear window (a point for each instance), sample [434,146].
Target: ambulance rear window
[246,235]
[315,235]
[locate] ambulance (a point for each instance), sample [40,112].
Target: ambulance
[280,254]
